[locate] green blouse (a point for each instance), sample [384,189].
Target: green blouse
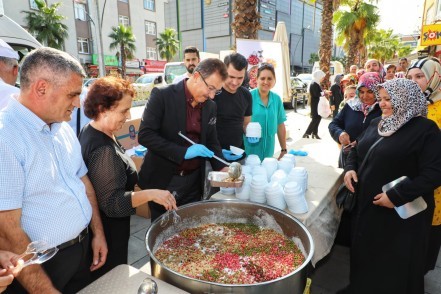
[269,117]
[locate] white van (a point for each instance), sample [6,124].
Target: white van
[336,68]
[16,36]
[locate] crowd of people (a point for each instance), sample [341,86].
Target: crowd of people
[78,192]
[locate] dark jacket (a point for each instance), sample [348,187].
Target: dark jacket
[352,122]
[163,118]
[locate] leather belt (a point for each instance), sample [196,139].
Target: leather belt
[183,173]
[75,240]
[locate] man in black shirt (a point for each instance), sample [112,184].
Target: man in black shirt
[234,107]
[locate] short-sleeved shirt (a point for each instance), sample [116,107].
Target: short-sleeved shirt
[231,110]
[40,174]
[269,117]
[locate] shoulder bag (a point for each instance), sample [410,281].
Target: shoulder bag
[346,199]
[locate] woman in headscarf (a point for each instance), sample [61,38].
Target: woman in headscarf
[426,73]
[356,115]
[315,91]
[388,252]
[336,95]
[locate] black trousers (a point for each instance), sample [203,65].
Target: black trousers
[188,189]
[313,125]
[68,269]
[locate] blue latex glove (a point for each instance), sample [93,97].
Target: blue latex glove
[198,150]
[253,140]
[230,156]
[298,152]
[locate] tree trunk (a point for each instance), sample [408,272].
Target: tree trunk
[123,61]
[246,21]
[325,51]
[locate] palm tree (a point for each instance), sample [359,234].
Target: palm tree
[352,28]
[246,22]
[326,34]
[168,44]
[45,24]
[383,45]
[124,41]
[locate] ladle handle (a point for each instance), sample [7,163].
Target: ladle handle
[216,157]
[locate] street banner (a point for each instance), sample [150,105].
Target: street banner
[262,51]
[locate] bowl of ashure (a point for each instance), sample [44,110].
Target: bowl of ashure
[231,246]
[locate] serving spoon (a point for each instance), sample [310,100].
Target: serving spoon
[39,252]
[234,169]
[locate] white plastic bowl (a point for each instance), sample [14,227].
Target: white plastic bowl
[236,150]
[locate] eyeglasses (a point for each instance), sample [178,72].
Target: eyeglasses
[210,88]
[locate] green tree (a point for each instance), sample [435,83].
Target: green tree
[123,40]
[168,44]
[353,26]
[313,58]
[246,21]
[383,45]
[46,24]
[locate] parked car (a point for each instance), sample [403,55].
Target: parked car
[298,93]
[88,82]
[306,78]
[145,83]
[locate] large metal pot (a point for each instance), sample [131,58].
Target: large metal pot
[230,211]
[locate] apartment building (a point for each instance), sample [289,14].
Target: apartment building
[85,26]
[207,25]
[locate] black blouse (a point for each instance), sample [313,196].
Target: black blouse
[112,172]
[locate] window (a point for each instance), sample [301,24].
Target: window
[149,4]
[151,53]
[83,45]
[80,11]
[123,20]
[150,28]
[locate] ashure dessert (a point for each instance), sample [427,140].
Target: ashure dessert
[230,253]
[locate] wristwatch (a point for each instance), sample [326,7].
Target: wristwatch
[283,150]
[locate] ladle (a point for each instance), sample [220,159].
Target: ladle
[234,169]
[148,286]
[40,251]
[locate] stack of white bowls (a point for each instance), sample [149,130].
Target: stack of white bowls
[300,176]
[295,198]
[286,164]
[275,196]
[254,130]
[246,169]
[290,156]
[270,164]
[257,189]
[243,193]
[280,177]
[252,160]
[260,170]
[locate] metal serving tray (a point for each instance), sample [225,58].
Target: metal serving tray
[217,179]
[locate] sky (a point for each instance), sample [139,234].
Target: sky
[403,16]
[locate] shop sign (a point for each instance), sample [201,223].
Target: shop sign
[431,35]
[108,60]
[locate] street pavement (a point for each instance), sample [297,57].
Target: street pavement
[330,274]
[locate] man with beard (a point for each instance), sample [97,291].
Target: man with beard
[191,60]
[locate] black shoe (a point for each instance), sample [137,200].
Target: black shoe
[306,136]
[316,137]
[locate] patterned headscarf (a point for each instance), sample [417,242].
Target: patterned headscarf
[369,80]
[431,68]
[407,102]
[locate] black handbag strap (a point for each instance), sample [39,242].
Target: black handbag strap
[367,155]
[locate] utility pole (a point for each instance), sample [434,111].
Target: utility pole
[99,39]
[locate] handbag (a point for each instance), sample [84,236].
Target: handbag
[346,199]
[323,107]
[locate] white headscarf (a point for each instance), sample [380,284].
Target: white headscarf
[407,102]
[317,76]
